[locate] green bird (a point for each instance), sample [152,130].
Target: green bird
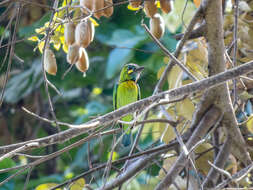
[127,91]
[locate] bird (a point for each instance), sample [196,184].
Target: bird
[127,91]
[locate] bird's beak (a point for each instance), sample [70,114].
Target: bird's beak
[139,69]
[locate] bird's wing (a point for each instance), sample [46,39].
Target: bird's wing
[115,89]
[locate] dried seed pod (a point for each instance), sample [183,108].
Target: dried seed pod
[69,33]
[73,53]
[150,8]
[84,33]
[83,62]
[166,6]
[135,3]
[97,5]
[50,65]
[157,26]
[88,4]
[91,29]
[108,11]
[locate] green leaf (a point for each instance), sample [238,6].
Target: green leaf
[21,85]
[30,30]
[7,163]
[124,40]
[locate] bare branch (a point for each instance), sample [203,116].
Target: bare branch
[236,177]
[208,120]
[139,105]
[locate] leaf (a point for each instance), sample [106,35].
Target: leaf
[120,56]
[173,20]
[116,60]
[201,163]
[185,108]
[47,186]
[94,22]
[41,46]
[160,72]
[166,130]
[115,156]
[57,46]
[175,77]
[197,60]
[249,124]
[78,184]
[132,8]
[22,84]
[33,38]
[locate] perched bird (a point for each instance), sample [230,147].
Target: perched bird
[127,91]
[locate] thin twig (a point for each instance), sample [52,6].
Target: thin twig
[166,52]
[236,14]
[18,14]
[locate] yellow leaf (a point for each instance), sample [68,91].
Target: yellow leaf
[47,186]
[160,72]
[158,4]
[152,128]
[175,77]
[97,91]
[166,60]
[78,184]
[201,163]
[94,22]
[41,46]
[114,156]
[249,124]
[132,8]
[185,108]
[197,60]
[168,132]
[69,175]
[57,46]
[33,38]
[41,30]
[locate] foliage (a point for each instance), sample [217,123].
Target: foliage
[118,40]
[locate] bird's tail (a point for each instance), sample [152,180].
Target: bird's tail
[127,138]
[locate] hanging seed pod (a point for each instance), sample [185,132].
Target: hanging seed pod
[157,26]
[150,8]
[166,6]
[91,29]
[69,33]
[83,62]
[97,5]
[135,3]
[50,65]
[84,33]
[88,4]
[73,53]
[108,11]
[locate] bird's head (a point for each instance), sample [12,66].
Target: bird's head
[130,72]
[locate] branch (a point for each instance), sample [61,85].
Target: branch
[219,162]
[131,171]
[196,33]
[236,177]
[207,121]
[139,105]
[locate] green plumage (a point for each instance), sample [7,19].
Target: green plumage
[125,92]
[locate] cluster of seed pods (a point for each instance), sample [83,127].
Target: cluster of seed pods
[78,36]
